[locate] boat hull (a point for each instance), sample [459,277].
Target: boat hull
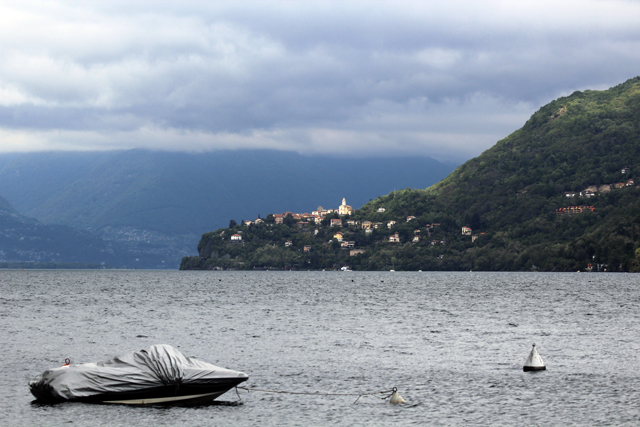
[170,400]
[165,395]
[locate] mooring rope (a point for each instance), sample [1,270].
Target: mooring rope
[388,393]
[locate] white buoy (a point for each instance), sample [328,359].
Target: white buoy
[396,398]
[534,361]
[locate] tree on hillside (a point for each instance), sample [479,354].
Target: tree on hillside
[289,221]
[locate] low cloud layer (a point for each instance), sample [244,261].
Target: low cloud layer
[446,79]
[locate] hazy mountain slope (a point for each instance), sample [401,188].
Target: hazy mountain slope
[24,239]
[30,179]
[182,193]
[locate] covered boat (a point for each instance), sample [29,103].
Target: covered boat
[158,375]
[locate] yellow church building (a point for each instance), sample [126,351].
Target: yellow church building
[344,208]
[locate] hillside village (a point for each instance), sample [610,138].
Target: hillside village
[315,217]
[344,226]
[337,219]
[324,239]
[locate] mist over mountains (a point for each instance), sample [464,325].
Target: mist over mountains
[158,204]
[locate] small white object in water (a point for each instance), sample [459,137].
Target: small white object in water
[396,398]
[534,361]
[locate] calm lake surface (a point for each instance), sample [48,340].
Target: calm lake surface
[452,343]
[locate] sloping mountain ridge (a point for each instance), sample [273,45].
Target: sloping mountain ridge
[188,192]
[511,198]
[511,192]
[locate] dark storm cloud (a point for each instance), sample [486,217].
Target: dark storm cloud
[353,78]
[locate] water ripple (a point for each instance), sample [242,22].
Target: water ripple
[453,343]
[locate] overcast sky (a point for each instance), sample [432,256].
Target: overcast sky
[355,78]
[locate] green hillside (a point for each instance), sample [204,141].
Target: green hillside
[516,198]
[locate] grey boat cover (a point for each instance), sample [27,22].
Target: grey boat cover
[159,365]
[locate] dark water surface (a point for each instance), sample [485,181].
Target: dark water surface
[452,343]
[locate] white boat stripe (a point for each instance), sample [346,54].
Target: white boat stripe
[164,399]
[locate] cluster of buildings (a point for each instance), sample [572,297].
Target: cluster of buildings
[303,219]
[369,226]
[594,189]
[590,192]
[315,217]
[572,210]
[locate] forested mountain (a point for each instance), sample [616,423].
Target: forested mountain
[159,203]
[559,194]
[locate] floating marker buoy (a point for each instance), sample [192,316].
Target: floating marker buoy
[534,361]
[396,398]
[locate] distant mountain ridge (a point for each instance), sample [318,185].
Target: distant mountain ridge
[168,200]
[527,204]
[25,240]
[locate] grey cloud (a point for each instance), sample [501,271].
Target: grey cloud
[416,77]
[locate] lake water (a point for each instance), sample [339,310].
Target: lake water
[452,343]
